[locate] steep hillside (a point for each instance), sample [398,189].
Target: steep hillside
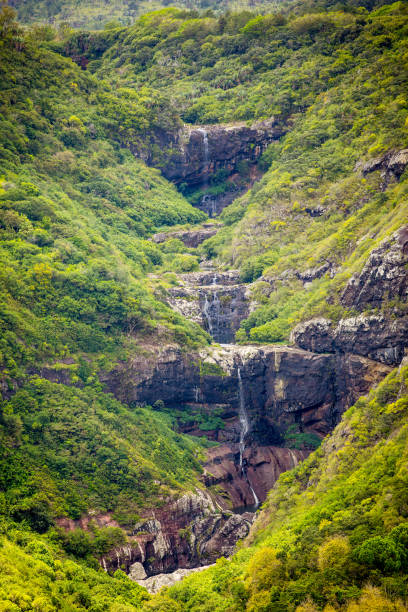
[76,299]
[333,532]
[334,84]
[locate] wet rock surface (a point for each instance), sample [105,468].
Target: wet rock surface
[263,465]
[202,150]
[216,301]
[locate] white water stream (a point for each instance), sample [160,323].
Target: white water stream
[244,421]
[204,134]
[211,310]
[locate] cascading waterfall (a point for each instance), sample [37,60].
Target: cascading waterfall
[204,134]
[207,315]
[211,310]
[244,421]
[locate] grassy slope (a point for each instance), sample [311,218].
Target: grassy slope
[328,528]
[76,211]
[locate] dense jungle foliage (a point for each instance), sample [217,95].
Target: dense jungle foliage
[82,288]
[333,532]
[98,14]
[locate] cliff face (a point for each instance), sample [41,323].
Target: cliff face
[188,532]
[216,301]
[281,387]
[201,151]
[382,285]
[247,398]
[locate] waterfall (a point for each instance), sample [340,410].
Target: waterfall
[243,418]
[205,144]
[213,208]
[211,310]
[244,421]
[295,460]
[207,315]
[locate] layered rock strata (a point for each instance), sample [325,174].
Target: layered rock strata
[380,335]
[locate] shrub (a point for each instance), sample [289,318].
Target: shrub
[333,553]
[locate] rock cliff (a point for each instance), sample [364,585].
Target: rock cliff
[187,532]
[282,387]
[191,238]
[215,300]
[203,150]
[247,398]
[391,166]
[380,335]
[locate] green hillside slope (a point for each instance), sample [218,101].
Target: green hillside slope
[75,214]
[97,14]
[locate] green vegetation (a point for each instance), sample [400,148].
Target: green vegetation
[297,439]
[338,80]
[76,210]
[83,287]
[58,584]
[64,450]
[98,14]
[330,527]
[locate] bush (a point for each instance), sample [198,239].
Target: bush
[333,553]
[184,263]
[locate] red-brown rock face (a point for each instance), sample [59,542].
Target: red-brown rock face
[263,466]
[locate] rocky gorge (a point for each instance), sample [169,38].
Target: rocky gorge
[197,154]
[265,407]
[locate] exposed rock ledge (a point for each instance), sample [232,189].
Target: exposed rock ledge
[382,283]
[391,166]
[202,150]
[191,238]
[282,386]
[155,583]
[217,301]
[187,532]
